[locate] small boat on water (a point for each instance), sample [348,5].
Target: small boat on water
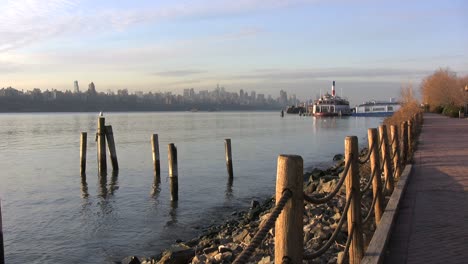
[377,108]
[295,109]
[331,105]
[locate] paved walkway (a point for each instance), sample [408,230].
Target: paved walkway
[432,223]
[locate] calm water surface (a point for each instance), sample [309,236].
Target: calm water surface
[51,216]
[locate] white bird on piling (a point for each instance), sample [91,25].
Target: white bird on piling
[101,114]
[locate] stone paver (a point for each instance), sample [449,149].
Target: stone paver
[432,223]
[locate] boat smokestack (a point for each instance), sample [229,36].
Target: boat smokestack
[333,89]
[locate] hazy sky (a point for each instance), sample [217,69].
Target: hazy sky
[370,48]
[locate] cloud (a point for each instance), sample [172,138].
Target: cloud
[178,73]
[330,73]
[29,21]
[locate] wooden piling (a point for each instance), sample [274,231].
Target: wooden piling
[385,152]
[83,147]
[111,146]
[228,154]
[289,226]
[373,136]
[396,150]
[356,249]
[173,174]
[404,143]
[101,145]
[2,250]
[156,160]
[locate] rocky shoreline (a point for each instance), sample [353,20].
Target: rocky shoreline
[222,243]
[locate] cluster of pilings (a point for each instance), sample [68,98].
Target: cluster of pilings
[105,133]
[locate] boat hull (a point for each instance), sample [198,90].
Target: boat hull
[329,114]
[374,114]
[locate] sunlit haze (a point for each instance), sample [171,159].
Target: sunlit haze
[370,48]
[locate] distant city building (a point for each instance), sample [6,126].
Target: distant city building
[76,88]
[91,89]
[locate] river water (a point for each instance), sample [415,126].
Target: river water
[50,215]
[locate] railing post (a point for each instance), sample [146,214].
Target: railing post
[396,150]
[111,146]
[410,140]
[356,249]
[101,144]
[228,154]
[404,145]
[83,147]
[173,173]
[156,161]
[289,226]
[372,134]
[388,174]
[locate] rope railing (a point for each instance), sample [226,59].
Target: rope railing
[371,210]
[329,196]
[330,241]
[369,152]
[263,230]
[348,244]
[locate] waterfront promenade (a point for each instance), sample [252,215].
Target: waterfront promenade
[432,222]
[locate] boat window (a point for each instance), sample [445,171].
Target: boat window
[390,108]
[367,109]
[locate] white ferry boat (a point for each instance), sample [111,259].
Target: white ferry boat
[331,105]
[377,108]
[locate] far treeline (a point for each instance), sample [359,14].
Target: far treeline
[444,92]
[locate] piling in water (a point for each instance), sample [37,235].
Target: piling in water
[111,145]
[228,154]
[101,144]
[83,144]
[156,161]
[173,174]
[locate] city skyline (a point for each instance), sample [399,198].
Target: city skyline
[370,48]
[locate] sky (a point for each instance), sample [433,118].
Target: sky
[369,47]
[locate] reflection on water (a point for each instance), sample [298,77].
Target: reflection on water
[102,182]
[114,184]
[84,186]
[156,186]
[228,192]
[173,213]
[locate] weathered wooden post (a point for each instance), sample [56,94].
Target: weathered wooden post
[173,174]
[101,144]
[388,174]
[289,226]
[228,154]
[356,249]
[410,140]
[156,160]
[83,145]
[111,146]
[404,145]
[373,136]
[396,150]
[2,250]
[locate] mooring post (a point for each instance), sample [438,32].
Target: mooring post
[2,250]
[396,150]
[388,173]
[101,143]
[156,161]
[83,145]
[356,249]
[111,146]
[373,136]
[228,154]
[289,226]
[173,174]
[404,145]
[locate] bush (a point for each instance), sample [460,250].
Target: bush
[451,110]
[438,109]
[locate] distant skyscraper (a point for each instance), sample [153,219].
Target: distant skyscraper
[92,89]
[76,87]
